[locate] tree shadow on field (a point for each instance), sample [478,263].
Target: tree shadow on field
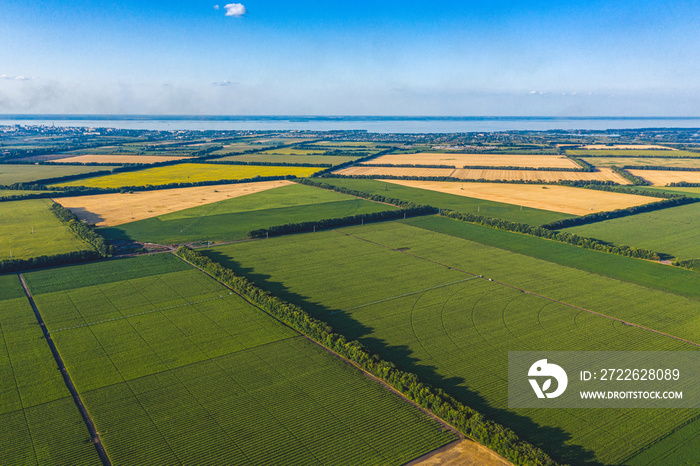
[552,440]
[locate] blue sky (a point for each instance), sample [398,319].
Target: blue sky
[580,58]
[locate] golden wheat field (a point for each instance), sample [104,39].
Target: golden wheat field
[626,147]
[643,161]
[118,159]
[483,160]
[189,173]
[576,201]
[605,174]
[106,210]
[664,177]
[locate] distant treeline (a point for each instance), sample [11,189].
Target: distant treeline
[474,167]
[683,184]
[81,229]
[542,232]
[649,167]
[640,156]
[270,164]
[328,171]
[573,183]
[693,264]
[635,180]
[626,190]
[353,192]
[406,165]
[468,421]
[341,221]
[602,216]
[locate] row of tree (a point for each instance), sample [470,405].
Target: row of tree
[15,265]
[683,184]
[270,164]
[542,232]
[577,183]
[658,167]
[608,215]
[635,180]
[626,190]
[341,221]
[82,229]
[465,419]
[356,193]
[585,166]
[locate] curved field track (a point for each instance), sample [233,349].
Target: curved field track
[484,160]
[605,174]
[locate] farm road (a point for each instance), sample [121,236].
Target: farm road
[68,381]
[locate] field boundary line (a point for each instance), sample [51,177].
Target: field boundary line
[406,294]
[631,324]
[95,436]
[381,382]
[138,314]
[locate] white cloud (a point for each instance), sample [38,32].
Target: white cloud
[15,78]
[223,83]
[216,7]
[235,9]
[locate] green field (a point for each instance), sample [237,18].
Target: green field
[231,219]
[632,153]
[678,448]
[674,231]
[295,159]
[29,229]
[188,173]
[39,422]
[690,192]
[493,209]
[412,296]
[174,368]
[10,174]
[8,193]
[641,272]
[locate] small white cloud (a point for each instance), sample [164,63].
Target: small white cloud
[533,92]
[15,78]
[235,9]
[223,83]
[216,7]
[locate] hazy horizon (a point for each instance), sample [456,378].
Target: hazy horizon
[498,58]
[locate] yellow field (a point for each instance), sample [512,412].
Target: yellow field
[576,201]
[106,210]
[605,174]
[291,151]
[627,147]
[188,173]
[483,160]
[118,159]
[643,161]
[664,177]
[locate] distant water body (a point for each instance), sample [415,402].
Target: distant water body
[371,124]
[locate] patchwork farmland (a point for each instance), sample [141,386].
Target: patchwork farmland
[310,321]
[173,367]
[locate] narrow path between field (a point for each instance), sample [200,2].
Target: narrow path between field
[631,324]
[66,378]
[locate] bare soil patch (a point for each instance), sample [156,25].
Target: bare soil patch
[575,201]
[664,177]
[462,453]
[482,160]
[107,210]
[605,174]
[117,159]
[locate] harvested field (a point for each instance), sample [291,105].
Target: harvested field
[664,177]
[482,160]
[605,174]
[684,162]
[632,153]
[117,159]
[106,210]
[576,201]
[626,147]
[462,453]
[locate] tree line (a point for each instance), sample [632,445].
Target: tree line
[658,167]
[574,183]
[601,216]
[465,419]
[585,166]
[543,232]
[635,180]
[82,229]
[341,221]
[15,265]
